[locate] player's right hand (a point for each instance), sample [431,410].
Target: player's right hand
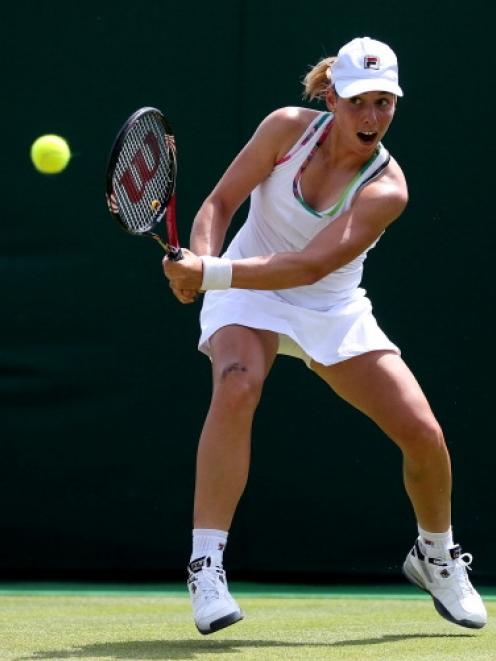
[185,295]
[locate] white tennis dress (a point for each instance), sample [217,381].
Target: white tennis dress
[328,321]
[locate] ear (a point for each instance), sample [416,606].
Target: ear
[331,99]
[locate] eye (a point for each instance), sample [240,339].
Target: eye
[384,102]
[355,100]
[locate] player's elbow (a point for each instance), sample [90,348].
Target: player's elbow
[316,267]
[313,265]
[312,272]
[217,206]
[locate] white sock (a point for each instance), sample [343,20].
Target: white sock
[207,541]
[436,543]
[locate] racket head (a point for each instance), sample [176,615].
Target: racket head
[141,174]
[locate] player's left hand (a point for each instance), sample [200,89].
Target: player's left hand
[185,295]
[186,273]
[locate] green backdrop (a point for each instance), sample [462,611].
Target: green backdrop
[99,429]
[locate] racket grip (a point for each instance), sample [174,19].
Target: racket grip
[174,254]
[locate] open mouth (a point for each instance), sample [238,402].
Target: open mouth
[367,136]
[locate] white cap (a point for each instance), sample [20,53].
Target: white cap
[365,65]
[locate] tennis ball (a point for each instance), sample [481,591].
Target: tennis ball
[50,154]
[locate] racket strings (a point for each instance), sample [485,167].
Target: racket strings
[145,174]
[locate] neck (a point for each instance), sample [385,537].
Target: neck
[338,153]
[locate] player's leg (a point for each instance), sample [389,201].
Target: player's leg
[381,385]
[241,360]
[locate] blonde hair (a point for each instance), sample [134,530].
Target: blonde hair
[316,82]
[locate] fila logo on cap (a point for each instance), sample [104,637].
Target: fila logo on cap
[371,62]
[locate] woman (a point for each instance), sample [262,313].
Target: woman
[323,190]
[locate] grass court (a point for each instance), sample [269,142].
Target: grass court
[392,623]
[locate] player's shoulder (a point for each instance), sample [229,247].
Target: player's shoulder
[283,126]
[292,115]
[395,174]
[289,119]
[389,190]
[391,184]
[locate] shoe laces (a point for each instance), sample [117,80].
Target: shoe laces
[466,559]
[459,571]
[207,581]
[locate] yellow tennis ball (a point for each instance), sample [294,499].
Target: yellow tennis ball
[50,154]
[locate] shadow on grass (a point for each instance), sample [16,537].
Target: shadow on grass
[165,650]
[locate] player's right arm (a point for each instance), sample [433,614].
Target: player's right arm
[271,141]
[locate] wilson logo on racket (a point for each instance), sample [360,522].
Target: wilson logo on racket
[135,189]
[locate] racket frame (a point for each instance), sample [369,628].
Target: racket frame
[167,207]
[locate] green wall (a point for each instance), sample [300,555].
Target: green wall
[99,428]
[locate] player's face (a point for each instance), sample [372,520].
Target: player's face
[363,120]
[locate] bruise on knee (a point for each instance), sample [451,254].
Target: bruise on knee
[233,367]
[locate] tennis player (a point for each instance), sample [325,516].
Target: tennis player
[323,190]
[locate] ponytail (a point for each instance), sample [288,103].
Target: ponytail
[316,82]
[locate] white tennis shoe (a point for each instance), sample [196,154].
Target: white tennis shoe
[448,584]
[213,606]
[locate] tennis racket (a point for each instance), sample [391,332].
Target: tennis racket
[141,179]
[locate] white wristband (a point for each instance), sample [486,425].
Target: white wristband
[217,273]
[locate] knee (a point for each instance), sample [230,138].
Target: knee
[238,388]
[422,438]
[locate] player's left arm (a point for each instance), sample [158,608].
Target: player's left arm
[375,207]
